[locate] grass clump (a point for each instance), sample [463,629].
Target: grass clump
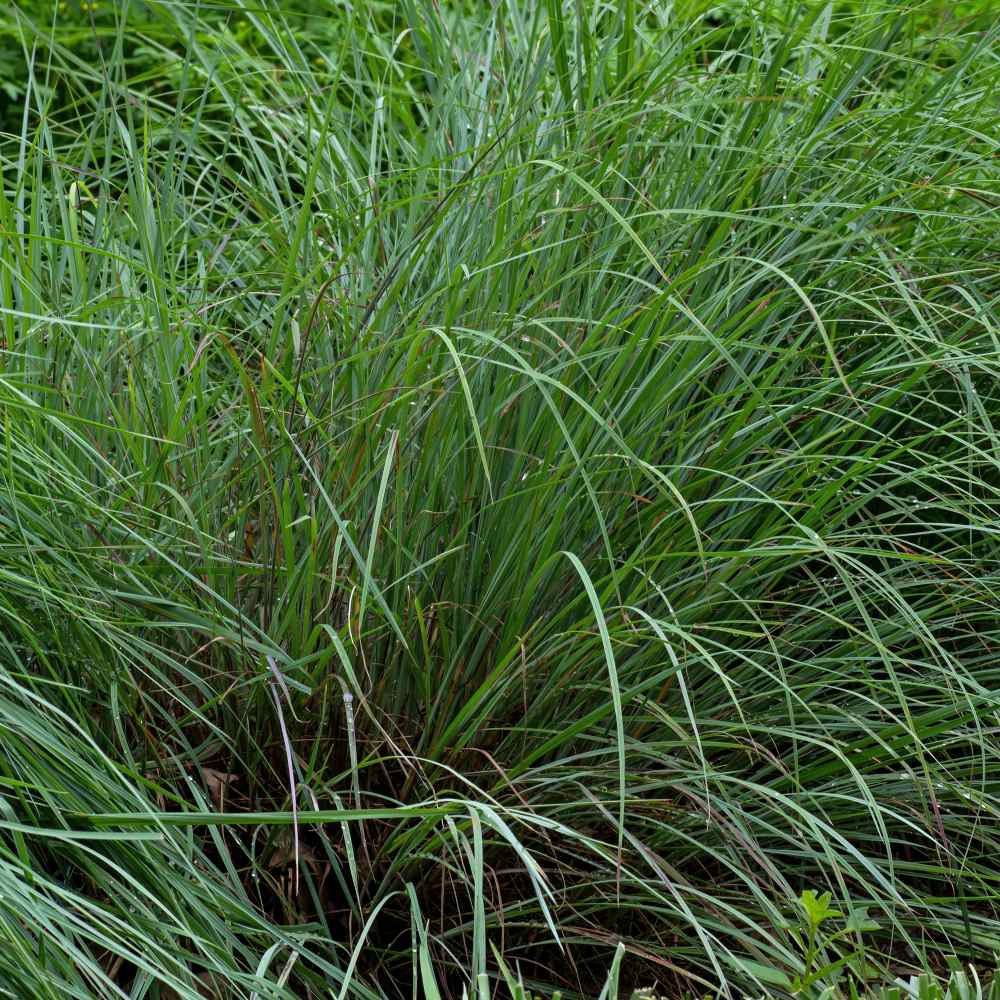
[494,492]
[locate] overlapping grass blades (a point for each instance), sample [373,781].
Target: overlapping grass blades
[591,412]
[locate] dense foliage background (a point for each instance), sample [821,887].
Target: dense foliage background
[486,483]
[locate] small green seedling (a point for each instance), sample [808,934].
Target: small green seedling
[823,962]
